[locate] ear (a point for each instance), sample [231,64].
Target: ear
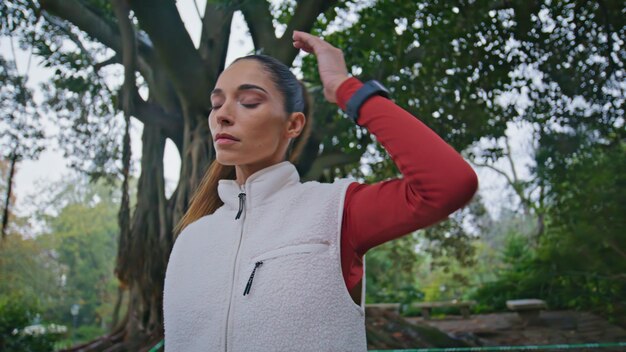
[295,124]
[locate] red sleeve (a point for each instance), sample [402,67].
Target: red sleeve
[436,182]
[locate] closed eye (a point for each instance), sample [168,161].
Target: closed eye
[247,106]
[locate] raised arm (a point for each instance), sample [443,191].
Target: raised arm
[436,180]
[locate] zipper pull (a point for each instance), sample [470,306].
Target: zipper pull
[249,284]
[242,200]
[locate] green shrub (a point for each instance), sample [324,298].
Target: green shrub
[16,332]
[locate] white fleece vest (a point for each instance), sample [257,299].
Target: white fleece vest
[296,299]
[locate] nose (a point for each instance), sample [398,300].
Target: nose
[223,116]
[224,120]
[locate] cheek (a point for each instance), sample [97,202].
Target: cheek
[211,120]
[266,134]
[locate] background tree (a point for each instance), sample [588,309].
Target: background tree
[81,235]
[27,272]
[22,136]
[69,261]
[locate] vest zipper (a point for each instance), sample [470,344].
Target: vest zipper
[249,284]
[242,200]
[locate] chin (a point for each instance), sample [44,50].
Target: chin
[226,161]
[227,158]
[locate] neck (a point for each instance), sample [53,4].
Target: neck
[244,171]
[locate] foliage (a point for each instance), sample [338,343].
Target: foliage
[446,275]
[390,272]
[82,334]
[436,263]
[442,62]
[513,281]
[22,135]
[17,313]
[72,262]
[579,262]
[77,96]
[28,272]
[82,231]
[586,241]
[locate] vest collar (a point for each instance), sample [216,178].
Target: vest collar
[260,186]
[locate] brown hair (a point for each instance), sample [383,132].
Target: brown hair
[205,199]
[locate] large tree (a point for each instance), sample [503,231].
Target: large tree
[446,62]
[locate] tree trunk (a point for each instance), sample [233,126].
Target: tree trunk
[196,157]
[7,202]
[145,259]
[142,259]
[116,310]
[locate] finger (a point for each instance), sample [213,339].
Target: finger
[301,45]
[311,41]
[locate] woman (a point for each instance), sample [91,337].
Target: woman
[273,264]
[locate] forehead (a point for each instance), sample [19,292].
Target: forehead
[245,71]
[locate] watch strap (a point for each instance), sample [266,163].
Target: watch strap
[369,89]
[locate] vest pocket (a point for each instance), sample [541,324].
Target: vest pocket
[281,252]
[299,248]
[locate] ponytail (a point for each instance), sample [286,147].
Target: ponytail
[205,199]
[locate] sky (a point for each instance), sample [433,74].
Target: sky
[51,166]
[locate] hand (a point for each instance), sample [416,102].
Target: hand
[330,62]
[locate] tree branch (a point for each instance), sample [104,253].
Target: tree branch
[257,15]
[78,14]
[182,62]
[510,158]
[514,183]
[76,40]
[150,113]
[96,27]
[129,53]
[303,18]
[259,19]
[508,179]
[214,39]
[195,5]
[115,59]
[129,59]
[7,203]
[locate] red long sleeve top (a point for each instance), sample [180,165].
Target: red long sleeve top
[436,182]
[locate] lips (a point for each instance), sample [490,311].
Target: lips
[225,136]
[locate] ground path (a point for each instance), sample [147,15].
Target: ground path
[556,327]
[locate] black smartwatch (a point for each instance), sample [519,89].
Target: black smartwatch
[369,89]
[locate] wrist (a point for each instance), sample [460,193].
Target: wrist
[345,91]
[337,83]
[369,89]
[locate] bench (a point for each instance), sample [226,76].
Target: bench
[394,307]
[527,309]
[426,307]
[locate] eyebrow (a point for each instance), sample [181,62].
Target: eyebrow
[240,88]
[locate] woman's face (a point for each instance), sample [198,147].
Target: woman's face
[248,121]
